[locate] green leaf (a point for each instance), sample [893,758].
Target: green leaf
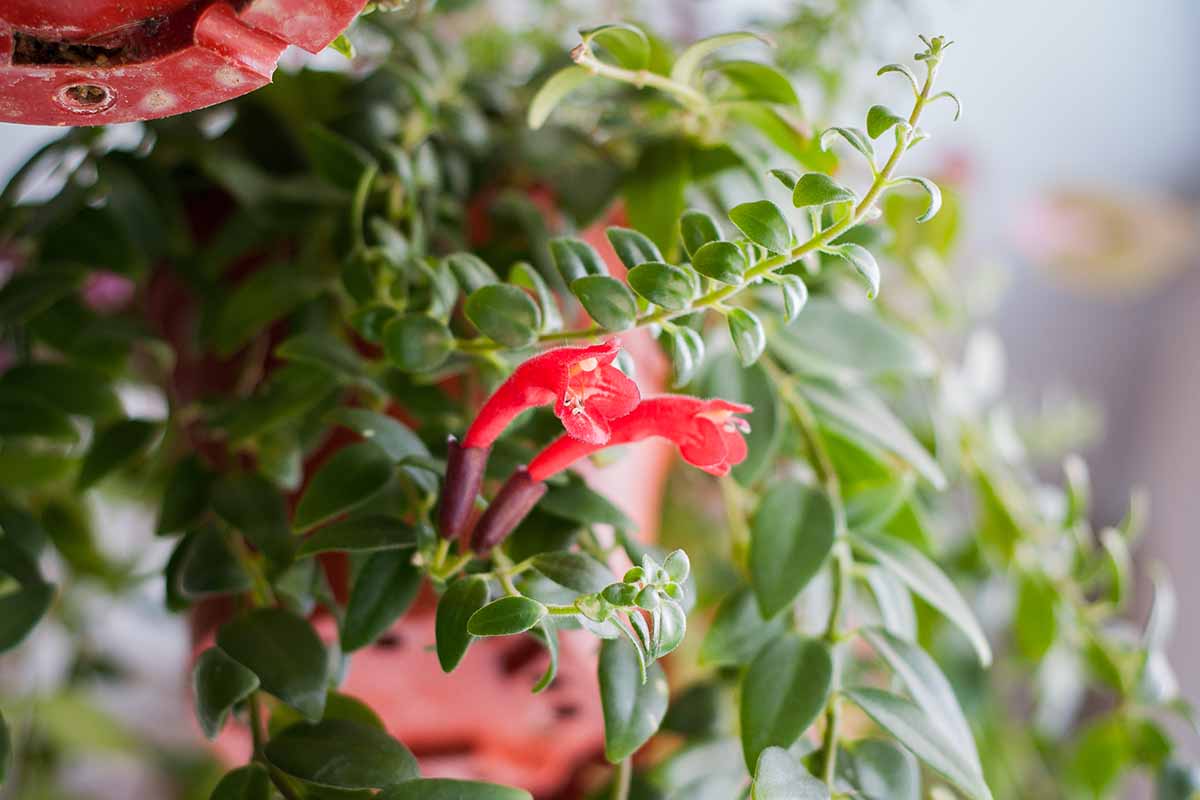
[343,45]
[251,782]
[863,417]
[210,567]
[506,616]
[461,600]
[575,571]
[349,478]
[448,789]
[856,138]
[327,352]
[389,433]
[749,337]
[218,684]
[929,689]
[1176,781]
[364,534]
[560,84]
[687,66]
[904,70]
[833,342]
[547,632]
[505,314]
[21,610]
[881,119]
[863,262]
[779,776]
[783,691]
[670,626]
[654,191]
[721,261]
[633,708]
[935,195]
[628,46]
[383,590]
[759,82]
[687,352]
[417,343]
[738,631]
[697,230]
[524,275]
[791,537]
[284,651]
[248,502]
[341,754]
[952,97]
[470,271]
[1036,617]
[606,300]
[263,297]
[335,158]
[25,417]
[91,393]
[925,579]
[578,502]
[114,447]
[1119,564]
[186,496]
[632,247]
[910,726]
[764,224]
[795,296]
[818,189]
[881,770]
[662,284]
[576,259]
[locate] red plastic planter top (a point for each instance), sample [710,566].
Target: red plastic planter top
[95,62]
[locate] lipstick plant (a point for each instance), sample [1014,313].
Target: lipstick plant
[359,340]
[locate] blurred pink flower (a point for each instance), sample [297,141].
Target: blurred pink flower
[107,292]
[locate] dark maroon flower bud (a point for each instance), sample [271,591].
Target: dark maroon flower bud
[515,499]
[464,476]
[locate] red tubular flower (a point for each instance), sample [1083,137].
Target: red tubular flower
[587,393]
[707,432]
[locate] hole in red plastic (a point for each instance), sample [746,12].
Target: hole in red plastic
[88,97]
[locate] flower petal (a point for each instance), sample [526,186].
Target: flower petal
[584,426]
[701,445]
[610,393]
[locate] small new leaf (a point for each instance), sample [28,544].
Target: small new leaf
[818,189]
[901,69]
[628,46]
[881,119]
[795,295]
[935,195]
[953,97]
[856,137]
[749,337]
[863,262]
[560,84]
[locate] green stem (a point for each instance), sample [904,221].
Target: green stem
[688,96]
[761,269]
[622,780]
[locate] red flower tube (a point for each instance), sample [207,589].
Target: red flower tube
[707,432]
[587,393]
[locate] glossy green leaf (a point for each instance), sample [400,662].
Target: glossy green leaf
[448,789]
[248,502]
[417,343]
[383,589]
[505,314]
[560,84]
[783,691]
[881,770]
[218,683]
[687,352]
[856,137]
[575,571]
[791,537]
[795,296]
[547,633]
[470,271]
[506,616]
[654,191]
[341,754]
[764,224]
[186,496]
[114,447]
[266,295]
[606,300]
[697,230]
[633,708]
[525,276]
[738,631]
[670,626]
[759,82]
[926,580]
[460,601]
[627,44]
[904,70]
[360,535]
[389,433]
[91,393]
[721,261]
[349,478]
[284,651]
[929,689]
[935,195]
[779,776]
[210,567]
[748,335]
[881,119]
[251,782]
[327,352]
[912,728]
[687,65]
[863,262]
[576,259]
[662,284]
[818,189]
[632,247]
